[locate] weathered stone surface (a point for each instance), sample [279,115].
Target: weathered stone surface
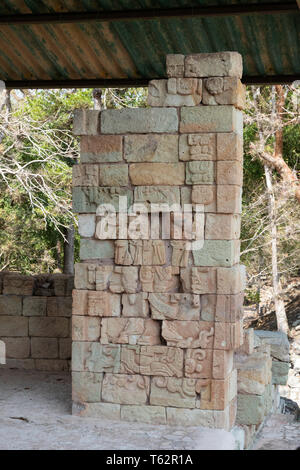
[86,386]
[216,394]
[199,280]
[280,372]
[221,308]
[228,335]
[139,120]
[86,122]
[130,359]
[229,199]
[17,284]
[13,326]
[250,409]
[96,249]
[51,365]
[181,249]
[53,327]
[197,147]
[80,302]
[229,146]
[211,119]
[135,305]
[218,64]
[108,411]
[34,306]
[188,334]
[200,173]
[229,172]
[86,225]
[173,391]
[254,373]
[130,331]
[208,363]
[195,417]
[16,348]
[103,304]
[63,284]
[85,175]
[229,280]
[222,227]
[87,199]
[151,148]
[102,148]
[157,173]
[124,279]
[161,361]
[10,305]
[140,252]
[113,175]
[217,253]
[95,357]
[145,414]
[175,65]
[158,279]
[157,195]
[91,276]
[248,345]
[206,195]
[85,328]
[175,306]
[278,341]
[227,90]
[44,348]
[125,389]
[65,348]
[175,92]
[59,306]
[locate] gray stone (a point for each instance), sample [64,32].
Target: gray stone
[143,414]
[218,64]
[250,409]
[280,372]
[151,148]
[44,348]
[10,305]
[86,122]
[211,119]
[139,120]
[86,386]
[223,253]
[86,225]
[17,348]
[13,326]
[94,357]
[34,306]
[109,411]
[96,249]
[86,200]
[278,341]
[49,327]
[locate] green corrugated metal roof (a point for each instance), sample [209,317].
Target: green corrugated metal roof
[136,49]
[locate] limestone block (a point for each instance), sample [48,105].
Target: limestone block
[227,90]
[100,149]
[229,280]
[173,391]
[278,341]
[211,119]
[17,284]
[140,252]
[65,348]
[95,357]
[180,252]
[177,306]
[87,199]
[222,308]
[125,389]
[151,148]
[216,394]
[59,306]
[85,175]
[229,172]
[206,195]
[158,195]
[85,328]
[229,199]
[16,348]
[248,345]
[13,326]
[51,365]
[49,327]
[135,305]
[139,120]
[229,146]
[253,374]
[44,348]
[188,334]
[250,409]
[102,276]
[130,331]
[208,363]
[85,276]
[175,92]
[86,122]
[161,361]
[200,173]
[143,414]
[80,302]
[86,225]
[10,305]
[113,175]
[280,372]
[103,304]
[199,280]
[130,359]
[228,335]
[63,284]
[96,249]
[34,306]
[158,279]
[197,147]
[124,279]
[175,65]
[195,417]
[86,386]
[217,253]
[108,411]
[25,364]
[222,227]
[157,174]
[219,64]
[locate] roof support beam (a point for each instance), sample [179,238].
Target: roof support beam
[134,82]
[143,14]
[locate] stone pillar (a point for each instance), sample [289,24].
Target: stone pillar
[156,320]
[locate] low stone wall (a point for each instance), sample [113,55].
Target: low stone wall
[35,321]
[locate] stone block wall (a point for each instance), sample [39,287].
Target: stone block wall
[155,324]
[35,321]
